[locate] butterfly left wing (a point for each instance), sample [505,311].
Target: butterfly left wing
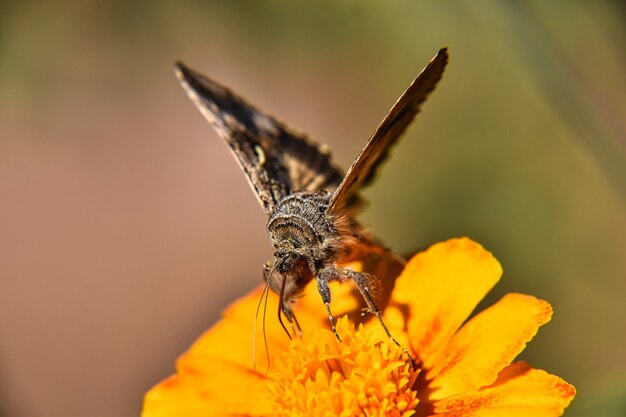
[276,160]
[390,129]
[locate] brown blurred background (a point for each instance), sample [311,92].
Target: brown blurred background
[126,226]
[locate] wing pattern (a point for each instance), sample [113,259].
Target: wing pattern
[276,160]
[279,161]
[402,113]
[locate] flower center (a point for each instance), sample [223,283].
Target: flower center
[362,375]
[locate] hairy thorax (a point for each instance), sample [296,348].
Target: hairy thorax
[306,239]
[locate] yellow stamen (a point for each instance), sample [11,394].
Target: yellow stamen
[363,375]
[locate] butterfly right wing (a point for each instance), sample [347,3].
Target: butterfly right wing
[389,130]
[276,160]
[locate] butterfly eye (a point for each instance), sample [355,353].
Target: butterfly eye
[281,252]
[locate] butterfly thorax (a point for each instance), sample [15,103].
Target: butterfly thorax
[305,239]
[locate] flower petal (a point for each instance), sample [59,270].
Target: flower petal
[218,370]
[221,388]
[231,338]
[486,344]
[438,290]
[519,391]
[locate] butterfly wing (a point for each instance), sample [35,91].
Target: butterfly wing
[276,160]
[389,130]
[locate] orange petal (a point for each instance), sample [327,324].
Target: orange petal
[439,288]
[232,337]
[218,370]
[519,391]
[219,389]
[486,344]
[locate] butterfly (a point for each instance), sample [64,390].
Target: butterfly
[309,201]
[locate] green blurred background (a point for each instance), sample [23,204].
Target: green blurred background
[126,226]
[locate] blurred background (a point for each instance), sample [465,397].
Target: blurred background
[126,225]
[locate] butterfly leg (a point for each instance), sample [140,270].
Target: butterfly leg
[322,279]
[293,321]
[283,307]
[363,282]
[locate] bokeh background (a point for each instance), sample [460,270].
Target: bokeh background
[126,226]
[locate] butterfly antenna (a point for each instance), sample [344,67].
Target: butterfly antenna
[264,294]
[267,350]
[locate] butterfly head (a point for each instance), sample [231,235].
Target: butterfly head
[288,259]
[291,269]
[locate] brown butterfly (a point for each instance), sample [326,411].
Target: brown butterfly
[309,202]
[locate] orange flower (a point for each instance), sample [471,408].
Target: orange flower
[464,369]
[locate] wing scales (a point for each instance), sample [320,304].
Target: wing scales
[402,113]
[276,160]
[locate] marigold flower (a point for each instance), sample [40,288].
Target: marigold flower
[463,369]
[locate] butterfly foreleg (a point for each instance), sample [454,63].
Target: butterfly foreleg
[284,306]
[293,321]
